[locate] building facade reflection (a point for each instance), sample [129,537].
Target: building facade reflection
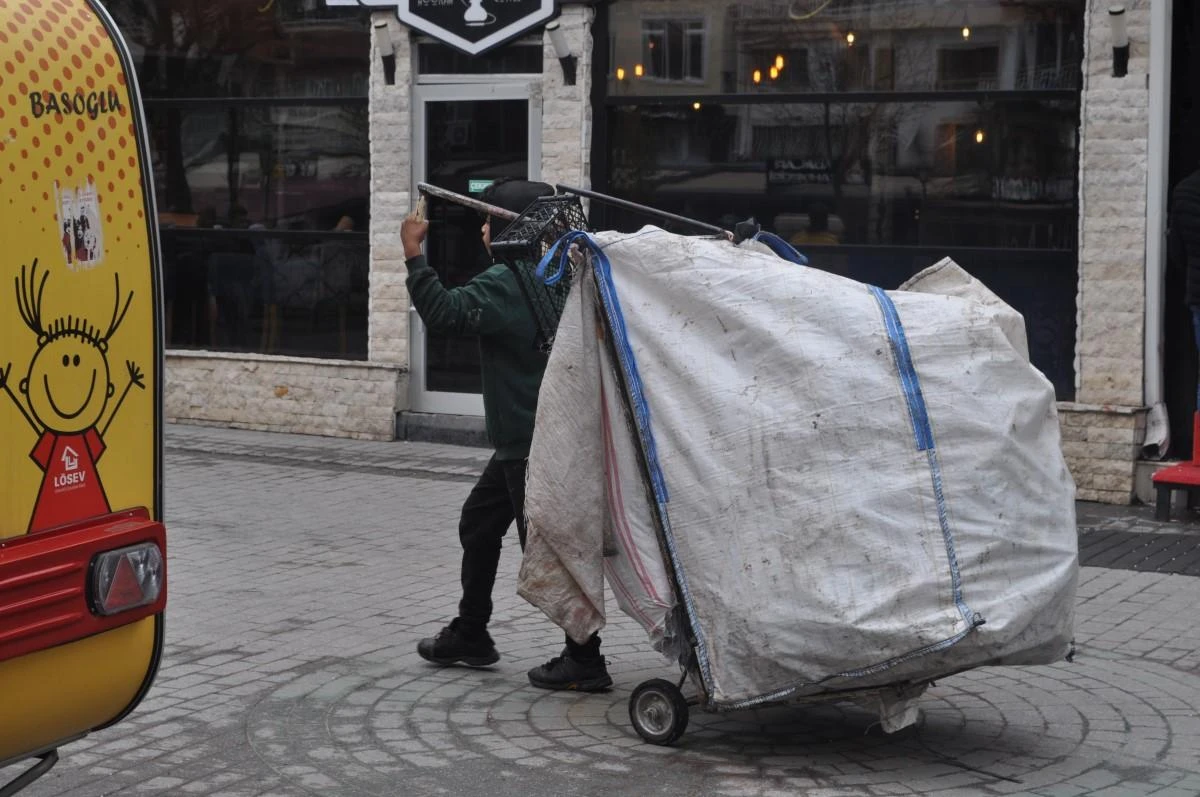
[878,136]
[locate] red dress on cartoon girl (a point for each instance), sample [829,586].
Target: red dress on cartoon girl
[65,398]
[71,488]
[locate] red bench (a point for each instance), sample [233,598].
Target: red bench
[1184,476]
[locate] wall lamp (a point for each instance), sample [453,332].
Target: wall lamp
[387,51]
[1120,40]
[562,51]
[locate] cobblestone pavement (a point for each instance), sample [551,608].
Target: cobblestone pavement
[304,570]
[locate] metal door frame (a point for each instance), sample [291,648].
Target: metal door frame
[420,398]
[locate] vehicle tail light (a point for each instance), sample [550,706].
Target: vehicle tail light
[126,578]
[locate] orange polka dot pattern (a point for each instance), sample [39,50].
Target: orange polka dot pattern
[64,106]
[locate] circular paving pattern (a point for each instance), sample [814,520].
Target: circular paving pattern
[346,729]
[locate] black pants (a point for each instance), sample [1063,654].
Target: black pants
[496,500]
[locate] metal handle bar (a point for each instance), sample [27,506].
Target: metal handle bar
[466,201]
[624,203]
[493,210]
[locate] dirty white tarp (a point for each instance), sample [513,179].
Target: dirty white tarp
[855,487]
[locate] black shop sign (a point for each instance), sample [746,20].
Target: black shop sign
[799,171]
[473,26]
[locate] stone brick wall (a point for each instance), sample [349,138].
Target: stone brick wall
[1101,446]
[567,110]
[391,198]
[1104,428]
[1112,239]
[282,394]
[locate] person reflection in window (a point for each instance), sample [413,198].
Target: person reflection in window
[818,232]
[230,285]
[267,256]
[337,268]
[185,261]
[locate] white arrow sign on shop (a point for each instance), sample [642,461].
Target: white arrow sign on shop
[473,26]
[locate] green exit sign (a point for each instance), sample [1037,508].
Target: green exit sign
[477,186]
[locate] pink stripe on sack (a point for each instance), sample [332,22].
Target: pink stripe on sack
[617,507]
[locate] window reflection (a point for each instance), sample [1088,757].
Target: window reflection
[257,116]
[259,291]
[237,48]
[876,192]
[876,135]
[844,45]
[967,67]
[971,174]
[672,49]
[286,166]
[229,177]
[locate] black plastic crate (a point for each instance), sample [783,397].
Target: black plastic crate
[523,243]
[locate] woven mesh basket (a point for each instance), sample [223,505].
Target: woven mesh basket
[521,246]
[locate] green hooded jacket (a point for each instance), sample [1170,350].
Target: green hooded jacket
[491,307]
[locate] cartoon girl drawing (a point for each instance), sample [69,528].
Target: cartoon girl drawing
[67,390]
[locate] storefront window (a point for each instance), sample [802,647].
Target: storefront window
[876,136]
[257,115]
[224,48]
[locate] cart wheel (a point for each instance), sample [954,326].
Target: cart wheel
[658,711]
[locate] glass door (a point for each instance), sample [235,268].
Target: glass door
[466,136]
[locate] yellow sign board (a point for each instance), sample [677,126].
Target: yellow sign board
[79,349]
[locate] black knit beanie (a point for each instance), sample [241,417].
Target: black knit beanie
[514,194]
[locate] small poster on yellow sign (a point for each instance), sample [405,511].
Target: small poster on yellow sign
[79,352]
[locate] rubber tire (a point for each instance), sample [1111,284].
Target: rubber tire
[658,711]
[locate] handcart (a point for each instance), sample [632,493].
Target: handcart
[708,615]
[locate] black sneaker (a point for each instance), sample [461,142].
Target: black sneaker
[454,645]
[564,672]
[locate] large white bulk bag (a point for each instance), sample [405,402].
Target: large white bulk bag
[816,484]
